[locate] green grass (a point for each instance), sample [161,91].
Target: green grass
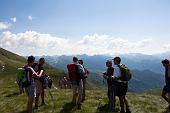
[96,102]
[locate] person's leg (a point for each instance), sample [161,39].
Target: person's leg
[114,97]
[84,88]
[75,94]
[42,97]
[31,95]
[110,97]
[80,93]
[121,99]
[165,97]
[127,105]
[36,100]
[30,104]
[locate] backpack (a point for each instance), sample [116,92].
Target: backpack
[125,73]
[22,76]
[75,74]
[46,81]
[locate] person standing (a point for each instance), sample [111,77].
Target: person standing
[122,86]
[166,89]
[39,83]
[84,80]
[76,73]
[111,85]
[29,84]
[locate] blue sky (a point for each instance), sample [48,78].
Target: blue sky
[131,20]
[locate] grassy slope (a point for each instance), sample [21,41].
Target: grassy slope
[11,102]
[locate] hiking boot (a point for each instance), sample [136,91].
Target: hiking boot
[122,111]
[79,106]
[128,111]
[36,107]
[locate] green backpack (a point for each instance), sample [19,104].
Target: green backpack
[125,73]
[22,77]
[21,74]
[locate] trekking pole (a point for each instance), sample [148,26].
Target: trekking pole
[51,96]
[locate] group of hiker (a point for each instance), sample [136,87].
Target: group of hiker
[117,84]
[117,75]
[32,80]
[78,74]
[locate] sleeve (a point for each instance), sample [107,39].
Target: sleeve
[82,68]
[41,68]
[32,71]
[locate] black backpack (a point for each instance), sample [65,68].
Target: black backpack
[26,82]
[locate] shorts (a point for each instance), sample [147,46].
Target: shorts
[77,89]
[39,87]
[31,91]
[166,88]
[121,89]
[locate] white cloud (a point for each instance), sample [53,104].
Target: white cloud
[166,47]
[30,18]
[31,42]
[4,25]
[14,19]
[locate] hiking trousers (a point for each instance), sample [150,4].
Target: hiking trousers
[84,89]
[78,90]
[112,96]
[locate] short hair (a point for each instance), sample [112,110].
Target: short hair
[41,59]
[31,59]
[118,59]
[81,61]
[75,59]
[165,61]
[109,61]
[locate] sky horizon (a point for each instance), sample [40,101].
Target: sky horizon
[58,27]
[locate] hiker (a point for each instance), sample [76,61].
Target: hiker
[166,89]
[84,80]
[29,84]
[39,83]
[122,86]
[76,73]
[64,81]
[19,82]
[111,85]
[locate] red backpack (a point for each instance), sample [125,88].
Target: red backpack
[72,72]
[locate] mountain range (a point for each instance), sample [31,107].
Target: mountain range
[147,70]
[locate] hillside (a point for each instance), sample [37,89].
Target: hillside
[96,102]
[9,62]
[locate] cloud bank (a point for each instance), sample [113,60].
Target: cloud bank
[14,19]
[34,43]
[4,25]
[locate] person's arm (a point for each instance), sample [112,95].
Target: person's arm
[40,73]
[34,74]
[105,75]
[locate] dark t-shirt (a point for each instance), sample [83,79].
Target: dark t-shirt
[167,79]
[29,71]
[109,73]
[40,67]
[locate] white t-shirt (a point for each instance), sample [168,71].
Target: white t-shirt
[117,72]
[80,67]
